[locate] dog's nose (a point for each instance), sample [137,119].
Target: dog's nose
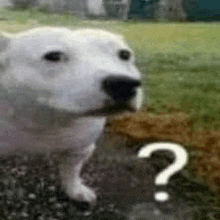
[120,88]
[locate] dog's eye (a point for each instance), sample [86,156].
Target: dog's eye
[124,54]
[54,56]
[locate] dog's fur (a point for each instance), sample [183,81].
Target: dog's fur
[60,105]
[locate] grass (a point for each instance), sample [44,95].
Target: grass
[180,62]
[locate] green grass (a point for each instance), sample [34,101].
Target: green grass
[180,62]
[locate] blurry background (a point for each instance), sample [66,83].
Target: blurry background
[192,10]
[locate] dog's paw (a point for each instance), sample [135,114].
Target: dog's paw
[83,194]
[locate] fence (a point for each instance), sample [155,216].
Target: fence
[191,10]
[175,10]
[117,8]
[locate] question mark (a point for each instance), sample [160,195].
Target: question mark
[181,159]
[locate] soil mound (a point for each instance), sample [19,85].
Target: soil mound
[145,127]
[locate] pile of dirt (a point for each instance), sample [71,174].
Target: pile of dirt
[145,127]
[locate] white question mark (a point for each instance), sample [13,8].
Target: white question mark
[181,159]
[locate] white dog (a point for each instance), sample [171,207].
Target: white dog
[56,88]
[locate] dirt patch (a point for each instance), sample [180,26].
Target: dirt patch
[144,127]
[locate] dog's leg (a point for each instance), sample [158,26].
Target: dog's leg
[70,169]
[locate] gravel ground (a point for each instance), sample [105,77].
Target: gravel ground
[30,189]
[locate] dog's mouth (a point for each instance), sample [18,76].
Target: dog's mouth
[111,110]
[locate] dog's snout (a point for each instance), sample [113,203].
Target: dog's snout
[120,88]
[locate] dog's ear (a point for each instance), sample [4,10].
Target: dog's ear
[4,41]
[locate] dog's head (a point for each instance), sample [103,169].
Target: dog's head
[84,72]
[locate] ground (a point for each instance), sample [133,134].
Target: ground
[30,189]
